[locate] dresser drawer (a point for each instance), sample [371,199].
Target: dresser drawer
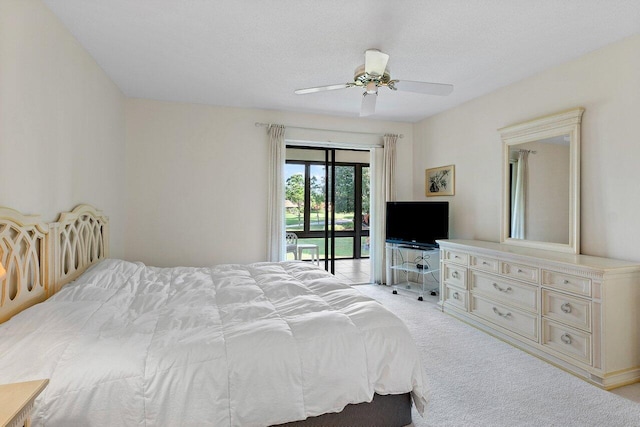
[568,341]
[455,275]
[510,318]
[457,257]
[520,271]
[455,297]
[484,263]
[572,311]
[515,293]
[566,282]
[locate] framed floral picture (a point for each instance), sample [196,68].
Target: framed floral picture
[440,181]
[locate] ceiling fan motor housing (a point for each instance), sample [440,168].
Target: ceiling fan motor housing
[362,78]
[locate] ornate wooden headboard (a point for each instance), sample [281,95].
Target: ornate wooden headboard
[80,238]
[24,254]
[40,258]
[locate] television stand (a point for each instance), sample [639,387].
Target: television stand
[413,268]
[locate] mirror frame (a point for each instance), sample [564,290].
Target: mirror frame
[565,122]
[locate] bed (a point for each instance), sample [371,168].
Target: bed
[261,344]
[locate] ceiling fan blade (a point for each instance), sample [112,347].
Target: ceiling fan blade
[368,106]
[322,88]
[423,87]
[375,62]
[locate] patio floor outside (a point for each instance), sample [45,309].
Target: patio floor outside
[353,271]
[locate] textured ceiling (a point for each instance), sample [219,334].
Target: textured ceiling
[254,53]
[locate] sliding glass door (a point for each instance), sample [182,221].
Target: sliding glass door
[327,202]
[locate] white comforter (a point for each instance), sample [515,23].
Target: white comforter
[233,345]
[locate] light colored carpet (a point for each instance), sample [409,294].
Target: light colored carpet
[477,380]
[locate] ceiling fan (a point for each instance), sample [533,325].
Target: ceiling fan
[373,74]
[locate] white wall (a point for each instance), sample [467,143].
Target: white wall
[607,84]
[197,178]
[61,121]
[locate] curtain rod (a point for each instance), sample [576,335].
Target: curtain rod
[258,124]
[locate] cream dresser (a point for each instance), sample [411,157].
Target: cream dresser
[579,312]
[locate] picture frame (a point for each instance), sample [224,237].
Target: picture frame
[440,181]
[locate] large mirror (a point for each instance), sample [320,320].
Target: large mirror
[541,182]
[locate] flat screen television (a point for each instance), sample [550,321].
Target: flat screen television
[417,223]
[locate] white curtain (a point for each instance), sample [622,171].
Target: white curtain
[383,189]
[390,167]
[275,214]
[519,195]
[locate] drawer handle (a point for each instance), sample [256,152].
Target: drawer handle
[456,257]
[565,281]
[520,270]
[485,263]
[507,290]
[456,295]
[566,307]
[455,275]
[566,338]
[504,315]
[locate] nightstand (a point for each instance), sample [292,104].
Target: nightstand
[16,402]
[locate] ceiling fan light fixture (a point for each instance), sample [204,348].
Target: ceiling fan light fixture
[372,88]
